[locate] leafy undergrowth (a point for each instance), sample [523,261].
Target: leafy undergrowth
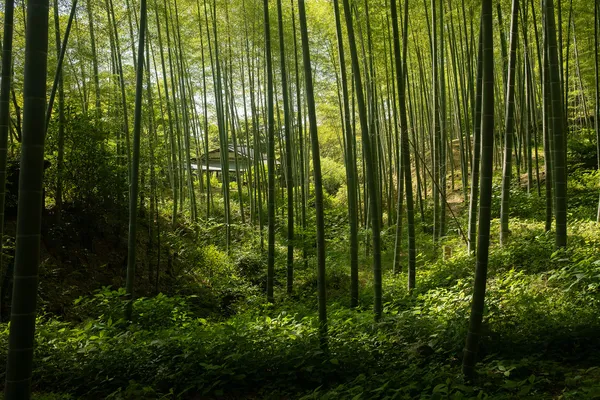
[540,334]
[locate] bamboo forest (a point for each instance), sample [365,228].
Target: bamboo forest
[300,199]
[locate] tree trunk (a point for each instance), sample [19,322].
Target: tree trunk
[371,166]
[350,164]
[318,180]
[474,198]
[288,153]
[133,182]
[270,156]
[90,14]
[29,215]
[400,85]
[9,11]
[509,124]
[557,124]
[487,154]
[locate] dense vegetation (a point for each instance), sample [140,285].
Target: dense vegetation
[339,199]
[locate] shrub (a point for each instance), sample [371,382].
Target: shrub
[92,177]
[334,175]
[252,266]
[149,313]
[582,151]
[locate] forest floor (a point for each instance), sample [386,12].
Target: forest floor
[81,253]
[211,334]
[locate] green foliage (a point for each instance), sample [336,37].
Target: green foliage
[582,150]
[582,383]
[211,334]
[252,266]
[93,177]
[522,204]
[334,175]
[540,312]
[336,215]
[215,182]
[107,306]
[583,187]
